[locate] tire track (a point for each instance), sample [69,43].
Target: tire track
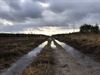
[68,65]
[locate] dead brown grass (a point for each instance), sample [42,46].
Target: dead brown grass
[12,48]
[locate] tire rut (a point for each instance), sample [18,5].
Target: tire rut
[66,64]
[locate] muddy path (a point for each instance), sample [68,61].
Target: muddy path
[67,63]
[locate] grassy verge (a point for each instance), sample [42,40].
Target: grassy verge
[87,43]
[43,64]
[13,47]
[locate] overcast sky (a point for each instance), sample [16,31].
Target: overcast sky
[22,15]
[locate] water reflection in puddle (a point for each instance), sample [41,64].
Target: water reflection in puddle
[53,45]
[23,62]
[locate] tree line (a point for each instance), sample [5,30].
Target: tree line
[86,28]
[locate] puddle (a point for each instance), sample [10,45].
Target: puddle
[18,67]
[53,45]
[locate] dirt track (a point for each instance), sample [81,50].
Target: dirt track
[67,64]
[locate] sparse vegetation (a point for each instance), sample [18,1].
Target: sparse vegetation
[13,46]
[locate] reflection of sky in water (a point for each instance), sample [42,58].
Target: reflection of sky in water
[53,45]
[22,63]
[49,30]
[36,50]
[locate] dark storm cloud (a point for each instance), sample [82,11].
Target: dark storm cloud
[13,4]
[76,10]
[31,13]
[20,10]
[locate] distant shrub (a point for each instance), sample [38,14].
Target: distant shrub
[89,28]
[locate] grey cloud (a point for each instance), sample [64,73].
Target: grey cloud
[18,27]
[20,11]
[15,4]
[76,11]
[60,13]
